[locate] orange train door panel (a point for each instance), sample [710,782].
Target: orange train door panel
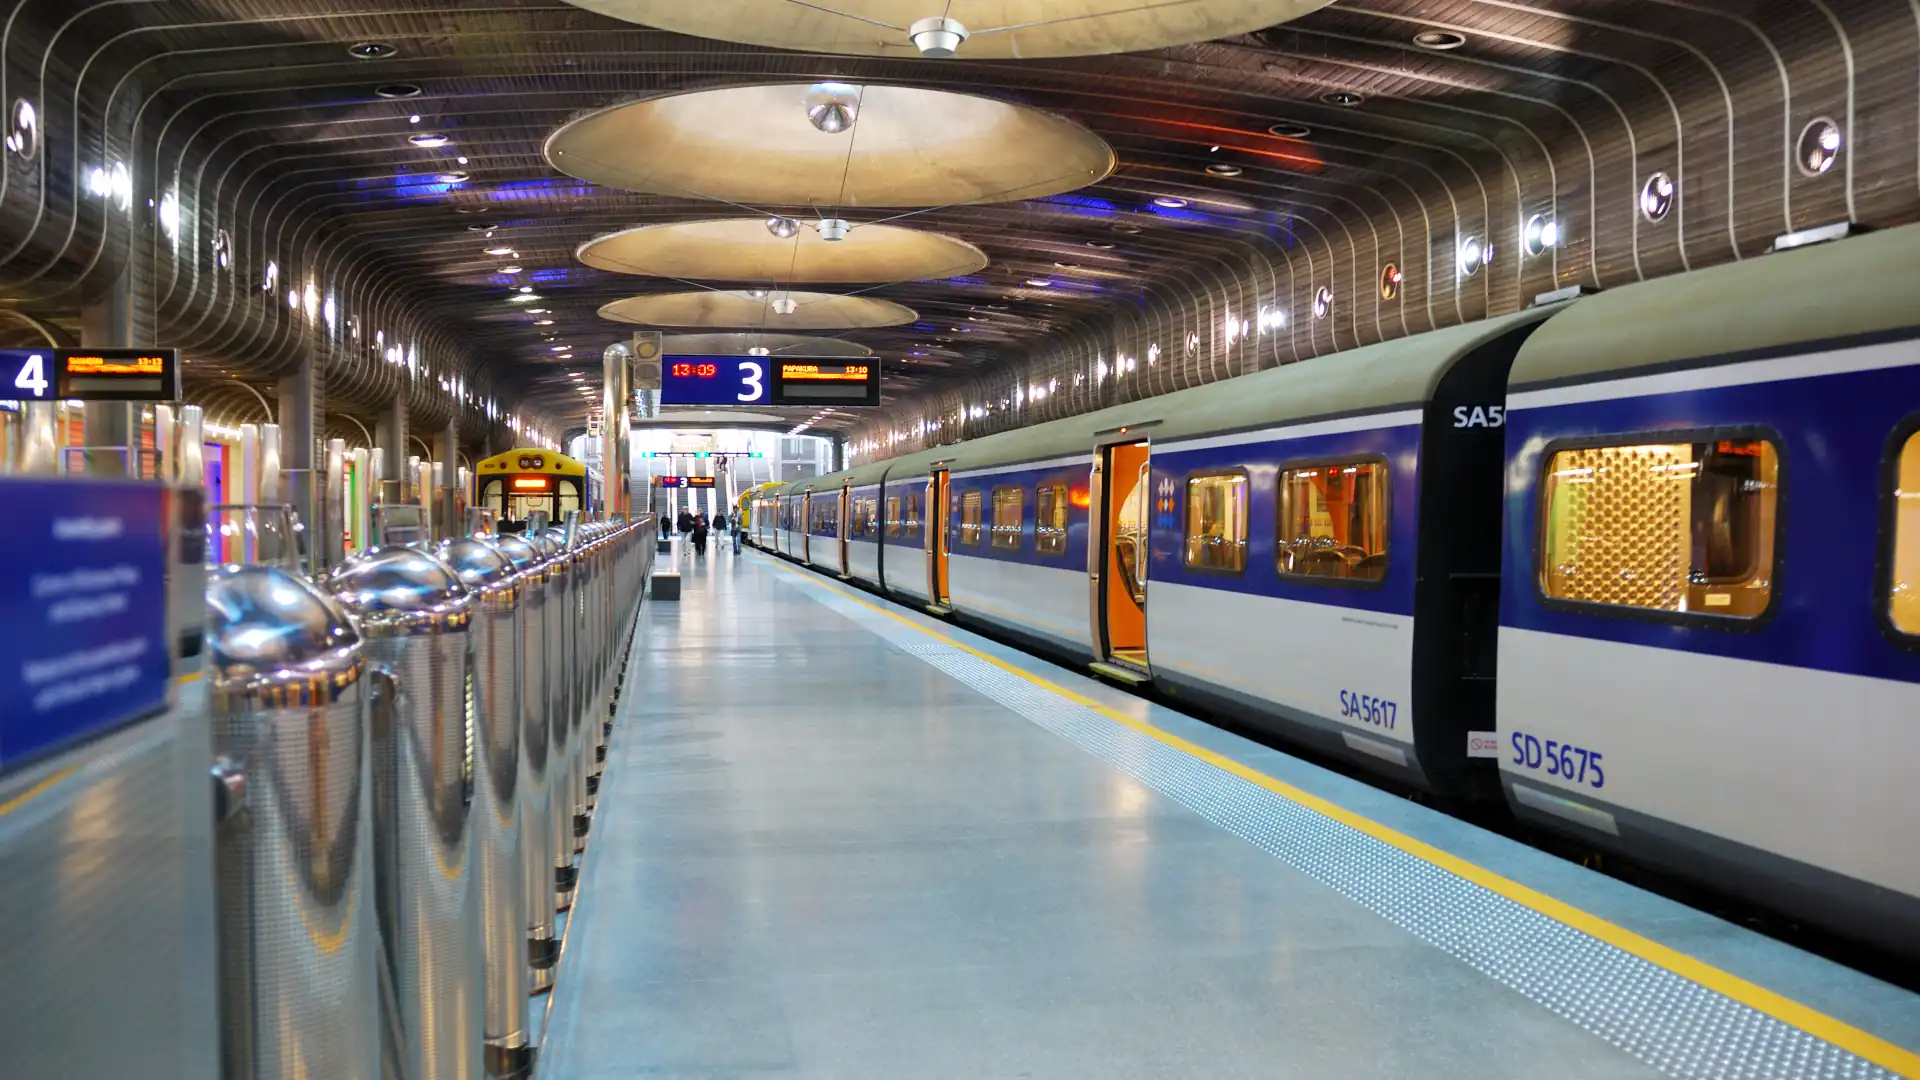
[937,541]
[1124,512]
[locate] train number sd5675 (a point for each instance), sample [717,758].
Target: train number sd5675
[1564,760]
[1369,709]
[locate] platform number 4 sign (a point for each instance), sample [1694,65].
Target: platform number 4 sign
[32,376]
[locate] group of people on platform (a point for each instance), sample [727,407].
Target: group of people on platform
[698,527]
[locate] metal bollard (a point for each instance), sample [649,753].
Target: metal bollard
[558,624]
[499,772]
[573,808]
[416,618]
[299,941]
[536,811]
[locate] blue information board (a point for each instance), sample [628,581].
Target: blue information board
[716,380]
[770,380]
[83,611]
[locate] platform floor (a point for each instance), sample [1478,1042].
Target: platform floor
[839,840]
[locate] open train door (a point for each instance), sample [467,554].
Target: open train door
[1121,498]
[805,527]
[937,542]
[846,527]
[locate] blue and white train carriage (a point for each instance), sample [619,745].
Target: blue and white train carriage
[1710,618]
[1680,521]
[1257,543]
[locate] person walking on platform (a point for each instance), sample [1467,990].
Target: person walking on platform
[700,536]
[686,521]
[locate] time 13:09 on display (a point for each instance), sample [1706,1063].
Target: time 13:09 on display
[696,371]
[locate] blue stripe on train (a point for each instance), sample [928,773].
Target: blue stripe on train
[1832,433]
[1262,461]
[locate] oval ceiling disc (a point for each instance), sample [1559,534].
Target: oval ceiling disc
[905,146]
[886,27]
[775,344]
[740,310]
[742,249]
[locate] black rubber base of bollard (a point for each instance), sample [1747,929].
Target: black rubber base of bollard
[565,878]
[580,823]
[600,753]
[607,728]
[509,1062]
[593,785]
[542,953]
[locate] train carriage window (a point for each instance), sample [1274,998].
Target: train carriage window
[1217,522]
[1050,519]
[1903,595]
[893,517]
[1333,521]
[1680,527]
[1009,507]
[910,525]
[970,525]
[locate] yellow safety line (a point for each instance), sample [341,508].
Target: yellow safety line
[1894,1058]
[36,790]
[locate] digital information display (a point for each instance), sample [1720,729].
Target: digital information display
[84,601]
[684,481]
[89,375]
[769,380]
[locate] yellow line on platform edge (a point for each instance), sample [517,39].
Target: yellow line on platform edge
[1890,1056]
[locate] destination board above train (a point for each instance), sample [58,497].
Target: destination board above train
[840,382]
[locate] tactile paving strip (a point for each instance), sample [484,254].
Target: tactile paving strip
[1669,1022]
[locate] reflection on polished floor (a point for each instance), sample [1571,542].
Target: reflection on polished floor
[832,844]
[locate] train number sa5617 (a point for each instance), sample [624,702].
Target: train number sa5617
[1376,711]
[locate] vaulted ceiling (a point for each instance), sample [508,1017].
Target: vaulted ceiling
[1305,157]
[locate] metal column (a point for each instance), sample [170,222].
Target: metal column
[298,415]
[445,506]
[391,429]
[617,387]
[112,428]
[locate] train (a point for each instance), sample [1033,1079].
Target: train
[527,480]
[1640,567]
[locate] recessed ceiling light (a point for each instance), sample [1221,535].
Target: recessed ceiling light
[414,119]
[521,298]
[1170,202]
[427,140]
[1126,230]
[483,230]
[499,251]
[371,50]
[455,177]
[1223,170]
[544,322]
[526,289]
[537,311]
[462,159]
[397,90]
[1067,265]
[510,269]
[1100,245]
[1038,283]
[1287,129]
[561,348]
[1346,99]
[1439,40]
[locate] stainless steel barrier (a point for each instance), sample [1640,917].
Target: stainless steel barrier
[299,946]
[536,809]
[416,617]
[558,637]
[499,773]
